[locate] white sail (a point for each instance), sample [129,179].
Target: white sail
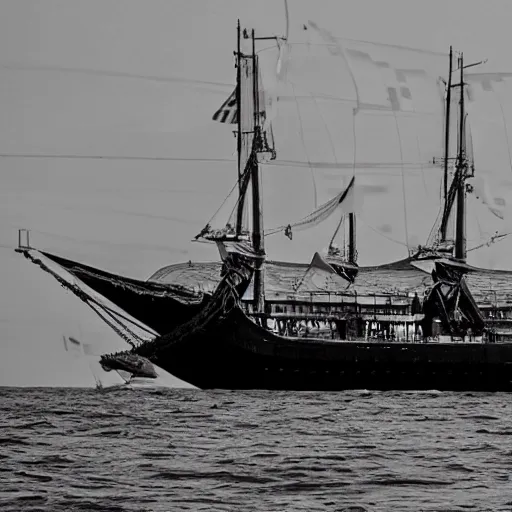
[340,109]
[348,109]
[489,104]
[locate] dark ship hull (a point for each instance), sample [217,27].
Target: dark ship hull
[239,354]
[237,350]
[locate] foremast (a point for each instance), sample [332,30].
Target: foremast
[246,237]
[241,192]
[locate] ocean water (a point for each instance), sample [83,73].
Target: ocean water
[174,450]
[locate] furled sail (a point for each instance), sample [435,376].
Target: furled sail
[345,202]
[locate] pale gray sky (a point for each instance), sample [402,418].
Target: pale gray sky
[124,78]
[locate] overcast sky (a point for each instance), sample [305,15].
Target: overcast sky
[141,78]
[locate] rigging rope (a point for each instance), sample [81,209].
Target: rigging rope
[403,182]
[93,304]
[111,312]
[420,155]
[72,239]
[114,157]
[354,161]
[506,129]
[384,236]
[116,74]
[222,302]
[331,143]
[281,163]
[354,146]
[301,133]
[336,231]
[494,239]
[287,19]
[320,214]
[227,197]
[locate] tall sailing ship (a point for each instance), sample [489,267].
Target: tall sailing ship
[430,320]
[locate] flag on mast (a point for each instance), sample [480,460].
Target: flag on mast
[228,111]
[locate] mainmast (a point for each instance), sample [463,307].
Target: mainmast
[239,219]
[257,214]
[447,136]
[460,235]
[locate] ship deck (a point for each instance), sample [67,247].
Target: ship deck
[490,288]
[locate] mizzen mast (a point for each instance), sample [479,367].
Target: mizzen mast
[456,192]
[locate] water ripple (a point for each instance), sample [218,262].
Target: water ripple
[79,450]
